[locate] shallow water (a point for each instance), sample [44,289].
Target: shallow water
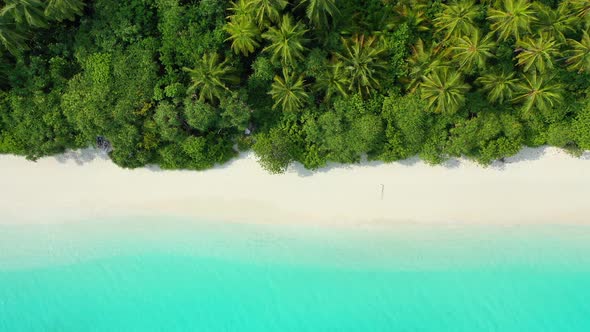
[170,274]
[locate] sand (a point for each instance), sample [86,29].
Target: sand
[543,185]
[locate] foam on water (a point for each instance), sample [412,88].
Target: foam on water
[182,275]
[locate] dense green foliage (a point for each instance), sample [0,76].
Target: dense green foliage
[188,83]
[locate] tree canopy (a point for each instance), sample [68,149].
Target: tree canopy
[189,84]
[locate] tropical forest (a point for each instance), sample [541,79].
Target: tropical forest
[189,84]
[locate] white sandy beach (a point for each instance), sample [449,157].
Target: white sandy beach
[538,185]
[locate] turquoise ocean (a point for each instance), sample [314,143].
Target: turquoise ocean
[174,274]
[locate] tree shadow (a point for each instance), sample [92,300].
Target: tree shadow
[525,154]
[451,163]
[217,166]
[300,170]
[498,165]
[409,161]
[154,168]
[82,156]
[241,155]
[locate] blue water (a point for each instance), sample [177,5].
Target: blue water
[179,275]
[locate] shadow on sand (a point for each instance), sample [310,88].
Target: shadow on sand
[84,156]
[526,154]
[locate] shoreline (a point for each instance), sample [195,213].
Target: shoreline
[542,185]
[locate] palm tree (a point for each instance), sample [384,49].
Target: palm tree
[243,34]
[319,11]
[537,53]
[499,86]
[28,12]
[514,18]
[413,13]
[457,18]
[579,55]
[421,63]
[286,42]
[60,10]
[444,90]
[288,92]
[210,77]
[10,37]
[364,63]
[554,22]
[268,10]
[537,92]
[472,51]
[582,8]
[334,81]
[241,8]
[491,3]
